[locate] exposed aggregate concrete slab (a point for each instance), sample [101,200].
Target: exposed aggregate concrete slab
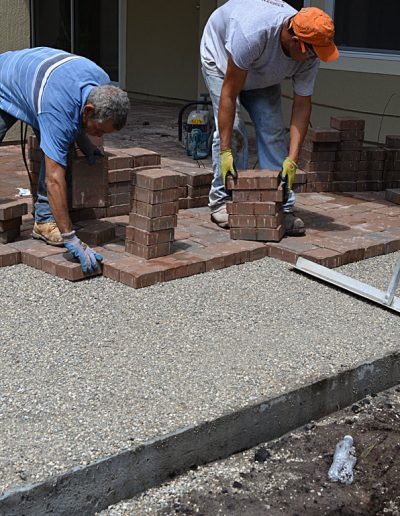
[94,368]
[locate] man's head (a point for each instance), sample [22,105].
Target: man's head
[105,111]
[313,30]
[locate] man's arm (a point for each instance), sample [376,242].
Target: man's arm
[57,194]
[231,88]
[301,112]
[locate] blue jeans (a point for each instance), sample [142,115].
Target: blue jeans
[42,207]
[264,108]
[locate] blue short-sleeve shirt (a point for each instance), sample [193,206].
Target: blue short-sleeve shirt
[47,89]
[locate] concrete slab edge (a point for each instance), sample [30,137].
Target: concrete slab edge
[87,489]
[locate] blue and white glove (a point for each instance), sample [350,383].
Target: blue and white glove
[83,252]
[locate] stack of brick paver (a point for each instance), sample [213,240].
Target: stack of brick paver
[153,217]
[317,159]
[351,135]
[255,212]
[370,169]
[391,174]
[11,213]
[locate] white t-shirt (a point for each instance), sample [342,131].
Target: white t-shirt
[249,31]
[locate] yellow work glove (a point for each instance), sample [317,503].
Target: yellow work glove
[227,166]
[289,168]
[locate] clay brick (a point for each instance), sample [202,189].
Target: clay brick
[391,175]
[197,191]
[319,187]
[149,224]
[257,195]
[319,177]
[87,214]
[143,157]
[344,186]
[347,166]
[326,257]
[10,209]
[9,256]
[6,225]
[308,144]
[393,195]
[118,210]
[269,221]
[155,179]
[9,236]
[392,141]
[323,135]
[116,262]
[243,233]
[155,210]
[271,235]
[154,196]
[119,188]
[392,154]
[33,255]
[89,183]
[181,265]
[183,191]
[96,232]
[316,166]
[355,145]
[148,251]
[149,237]
[371,186]
[183,203]
[259,234]
[118,160]
[121,175]
[300,177]
[373,153]
[391,165]
[350,155]
[197,202]
[120,198]
[197,177]
[65,266]
[255,179]
[289,249]
[351,134]
[242,221]
[253,208]
[347,122]
[182,179]
[142,274]
[345,175]
[309,155]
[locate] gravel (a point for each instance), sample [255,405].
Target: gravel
[93,368]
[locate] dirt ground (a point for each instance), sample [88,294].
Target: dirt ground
[289,476]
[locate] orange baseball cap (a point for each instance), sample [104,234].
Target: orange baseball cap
[313,26]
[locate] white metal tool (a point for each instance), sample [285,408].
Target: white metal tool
[340,280]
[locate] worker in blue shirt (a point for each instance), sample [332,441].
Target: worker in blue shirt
[64,98]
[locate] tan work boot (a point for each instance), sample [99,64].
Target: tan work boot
[49,232]
[294,226]
[220,217]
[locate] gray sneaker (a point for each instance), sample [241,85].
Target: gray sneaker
[294,226]
[220,217]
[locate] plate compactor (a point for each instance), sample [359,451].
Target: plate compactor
[196,133]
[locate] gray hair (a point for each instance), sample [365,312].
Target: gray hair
[110,103]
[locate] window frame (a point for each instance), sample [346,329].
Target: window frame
[362,61]
[122,12]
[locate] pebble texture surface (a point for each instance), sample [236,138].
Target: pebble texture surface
[92,368]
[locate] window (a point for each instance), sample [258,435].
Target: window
[85,27]
[367,25]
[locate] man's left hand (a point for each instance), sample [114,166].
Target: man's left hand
[289,168]
[92,155]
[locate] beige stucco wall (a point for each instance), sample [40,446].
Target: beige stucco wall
[14,34]
[162,47]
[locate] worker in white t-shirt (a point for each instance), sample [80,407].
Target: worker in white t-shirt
[248,48]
